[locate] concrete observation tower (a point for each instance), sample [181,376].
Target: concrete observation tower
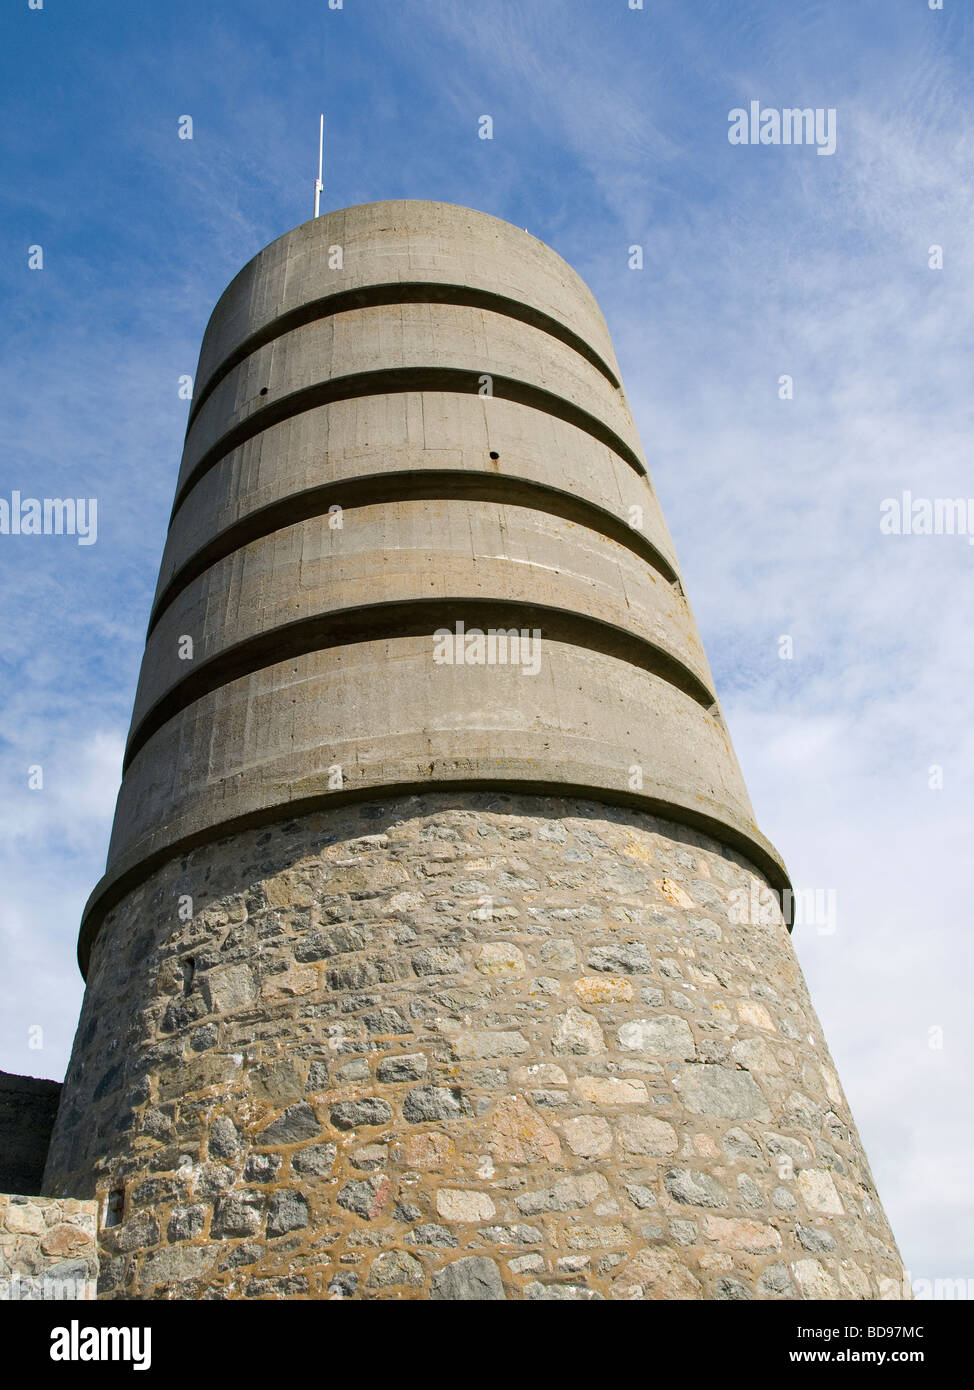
[438,953]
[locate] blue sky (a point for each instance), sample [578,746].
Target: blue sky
[610,129]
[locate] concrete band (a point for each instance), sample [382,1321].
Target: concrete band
[371,296]
[481,550]
[444,485]
[499,628]
[399,436]
[395,338]
[327,706]
[455,380]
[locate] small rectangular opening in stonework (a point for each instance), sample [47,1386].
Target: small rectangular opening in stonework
[114,1205]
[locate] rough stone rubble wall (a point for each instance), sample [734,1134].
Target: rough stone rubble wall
[466,1046]
[48,1249]
[28,1106]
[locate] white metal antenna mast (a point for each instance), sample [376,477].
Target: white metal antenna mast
[319,186]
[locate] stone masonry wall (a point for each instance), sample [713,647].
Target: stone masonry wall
[462,1046]
[28,1106]
[48,1249]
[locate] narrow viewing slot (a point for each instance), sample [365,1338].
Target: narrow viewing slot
[416,485]
[395,381]
[411,292]
[409,618]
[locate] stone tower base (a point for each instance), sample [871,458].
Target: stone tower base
[463,1045]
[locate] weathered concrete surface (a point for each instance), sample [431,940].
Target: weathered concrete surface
[400,338]
[409,552]
[391,441]
[408,416]
[464,1047]
[28,1106]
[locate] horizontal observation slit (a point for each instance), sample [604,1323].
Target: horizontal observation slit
[395,381]
[412,618]
[396,292]
[415,485]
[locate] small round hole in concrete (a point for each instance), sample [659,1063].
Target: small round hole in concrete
[493,455]
[263,390]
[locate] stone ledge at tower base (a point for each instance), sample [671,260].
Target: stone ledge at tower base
[48,1249]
